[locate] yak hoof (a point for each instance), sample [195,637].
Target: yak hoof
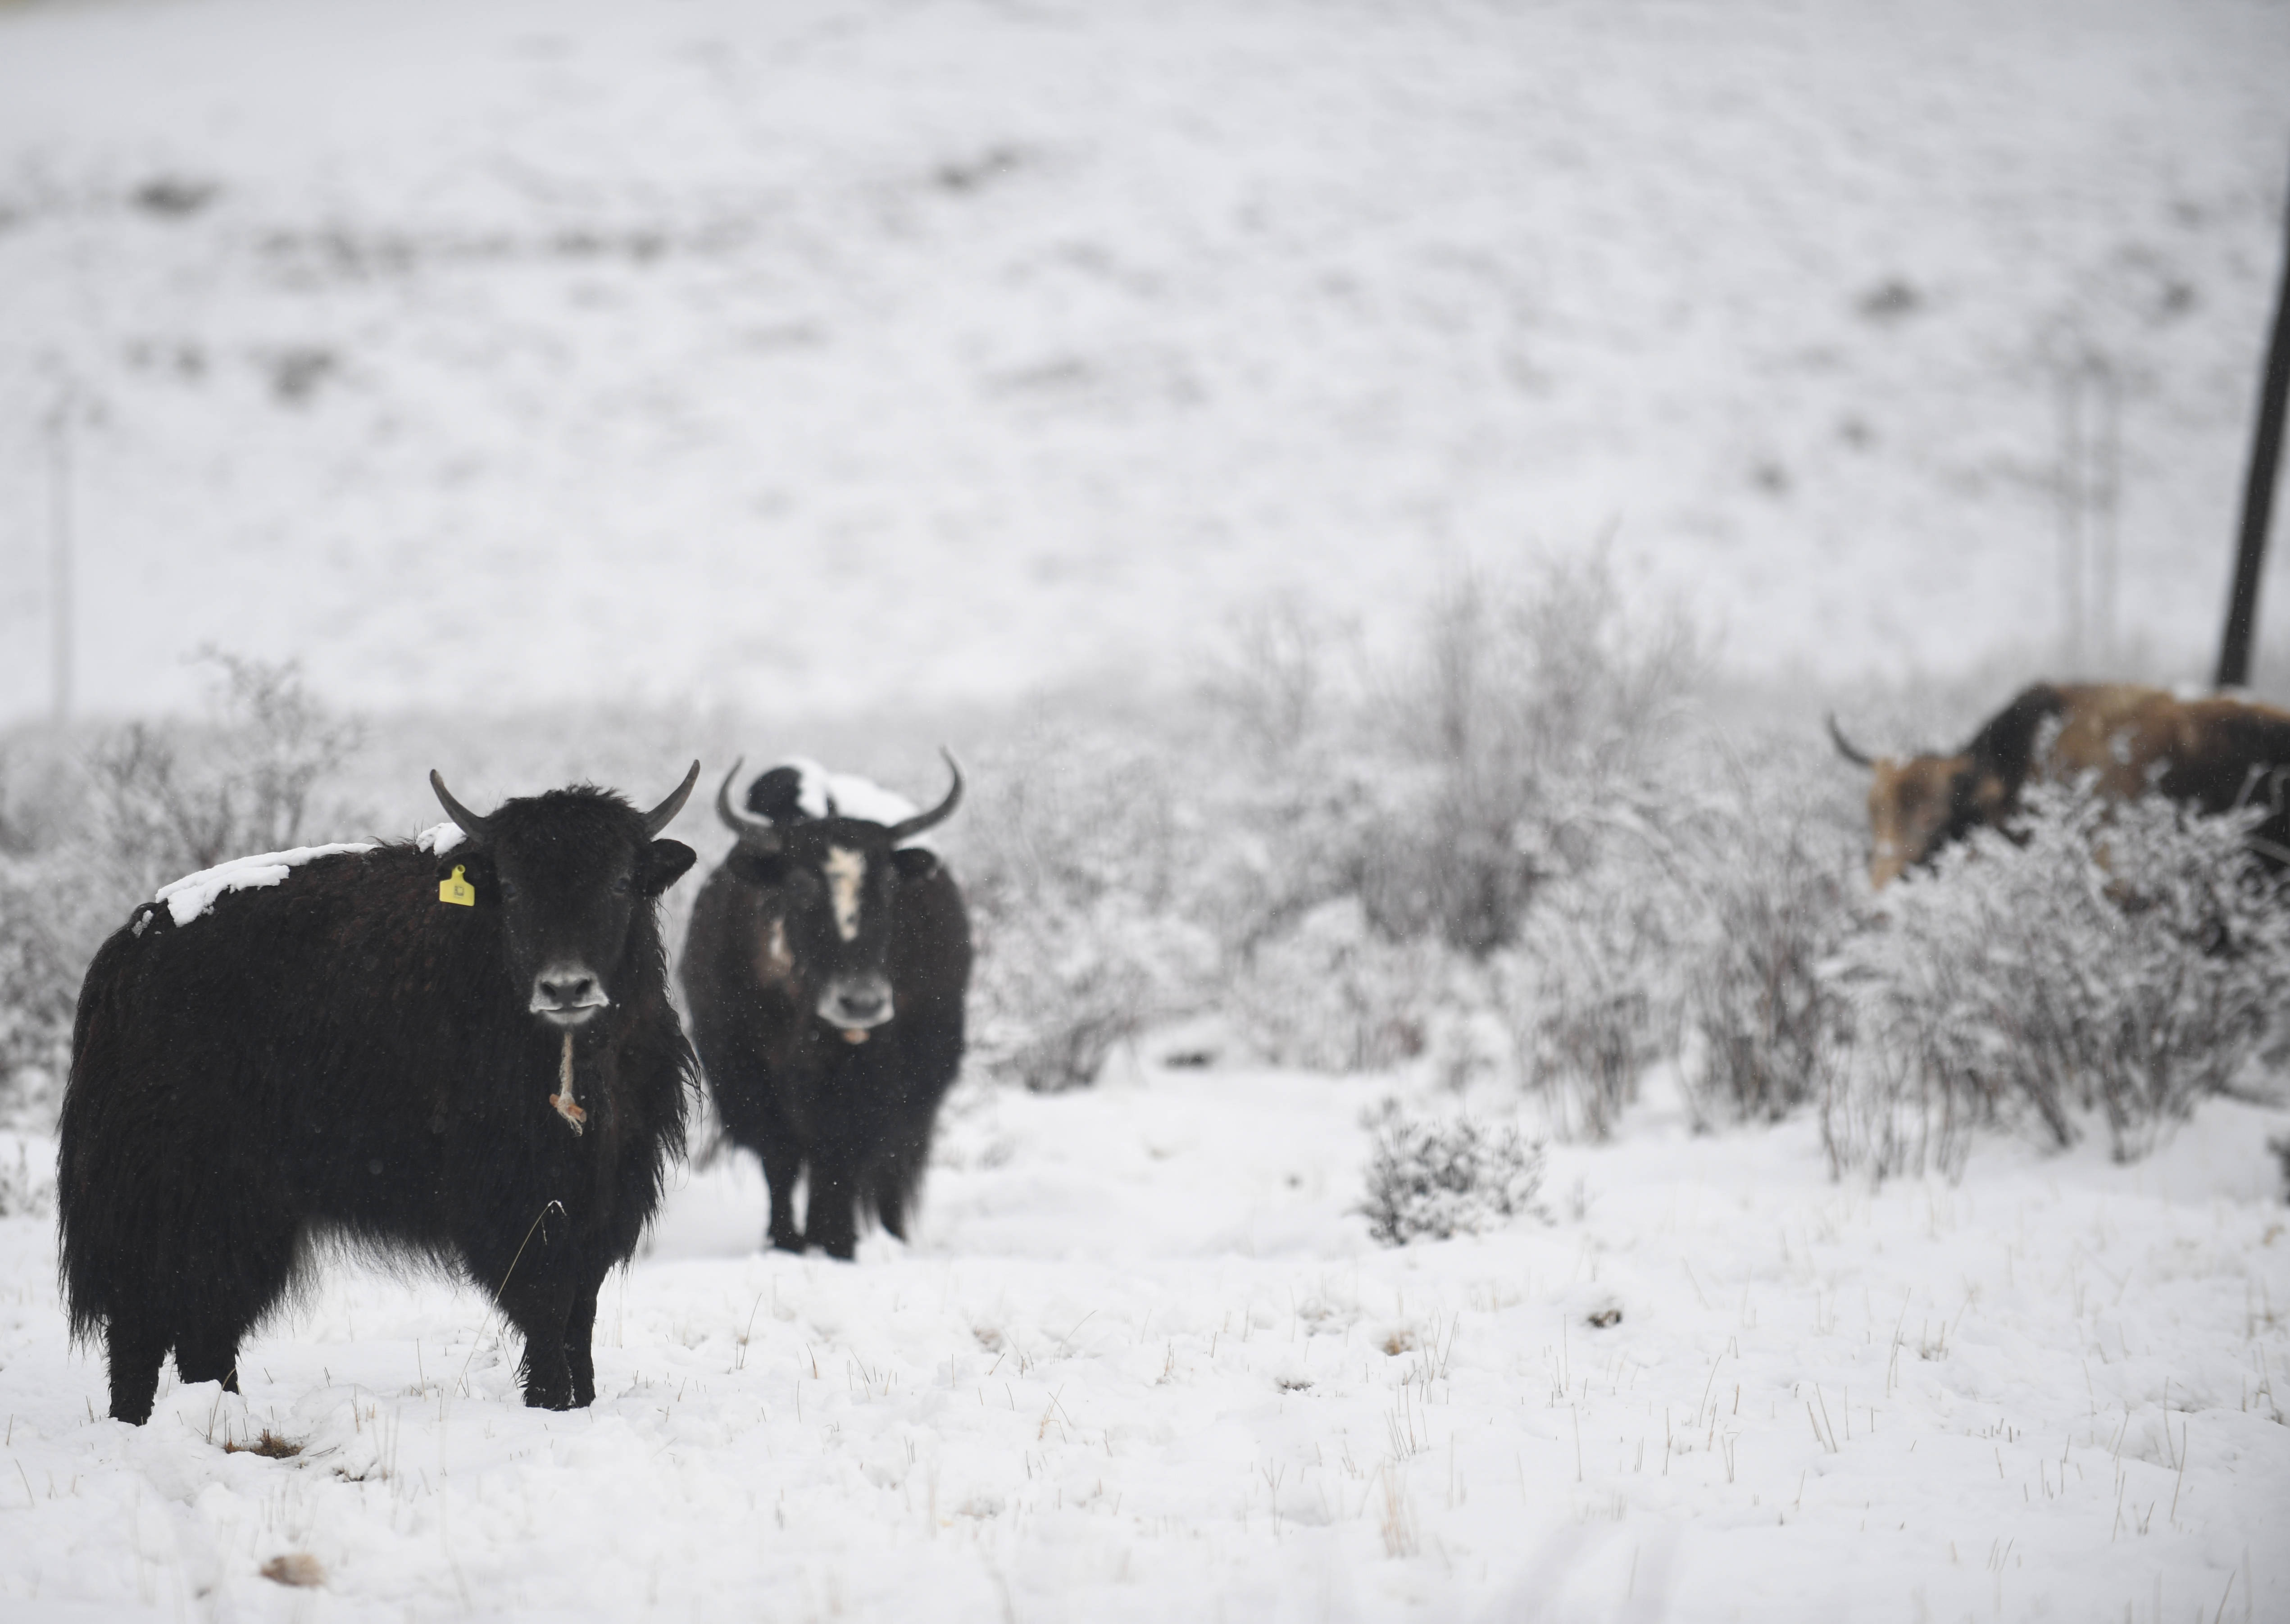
[787,1242]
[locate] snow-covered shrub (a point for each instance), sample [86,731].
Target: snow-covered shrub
[2123,960]
[1590,993]
[172,799]
[1072,861]
[1429,1180]
[1770,870]
[83,840]
[28,1188]
[1536,719]
[53,915]
[1332,994]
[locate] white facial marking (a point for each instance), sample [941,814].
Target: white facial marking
[846,871]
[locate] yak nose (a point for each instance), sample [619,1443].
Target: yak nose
[857,1003]
[567,995]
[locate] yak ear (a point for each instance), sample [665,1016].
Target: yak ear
[476,863]
[664,864]
[914,862]
[764,868]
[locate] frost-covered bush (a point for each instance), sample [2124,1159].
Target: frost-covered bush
[173,799]
[28,1188]
[1534,723]
[1332,994]
[1072,861]
[2121,960]
[1770,868]
[53,915]
[83,838]
[1429,1180]
[1590,993]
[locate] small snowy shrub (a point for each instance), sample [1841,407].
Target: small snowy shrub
[1332,994]
[83,841]
[28,1189]
[1535,722]
[2117,960]
[1771,867]
[52,917]
[171,800]
[1429,1180]
[1590,993]
[1071,863]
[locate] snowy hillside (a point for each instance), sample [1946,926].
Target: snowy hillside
[824,352]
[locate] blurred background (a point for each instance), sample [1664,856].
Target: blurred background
[1327,468]
[822,356]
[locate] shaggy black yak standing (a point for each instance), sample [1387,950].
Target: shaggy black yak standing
[468,1053]
[825,969]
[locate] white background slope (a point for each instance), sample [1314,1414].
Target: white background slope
[1144,1364]
[815,354]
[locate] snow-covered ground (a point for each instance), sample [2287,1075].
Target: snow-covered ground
[832,351]
[1144,1364]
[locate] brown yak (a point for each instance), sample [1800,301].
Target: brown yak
[2214,753]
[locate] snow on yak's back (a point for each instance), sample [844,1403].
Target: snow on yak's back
[2215,752]
[461,1046]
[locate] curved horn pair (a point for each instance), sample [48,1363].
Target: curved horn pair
[1858,758]
[764,835]
[657,819]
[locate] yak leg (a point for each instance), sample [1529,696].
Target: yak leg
[782,1162]
[543,1313]
[537,1280]
[208,1355]
[898,1173]
[831,1219]
[231,1299]
[134,1351]
[580,1341]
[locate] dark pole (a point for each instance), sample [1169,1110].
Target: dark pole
[2258,494]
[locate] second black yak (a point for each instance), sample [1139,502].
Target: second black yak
[826,969]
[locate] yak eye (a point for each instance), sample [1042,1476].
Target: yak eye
[623,885]
[509,891]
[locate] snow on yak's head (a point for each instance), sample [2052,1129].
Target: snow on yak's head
[829,851]
[572,875]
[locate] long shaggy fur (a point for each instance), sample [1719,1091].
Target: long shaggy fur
[858,1117]
[342,1057]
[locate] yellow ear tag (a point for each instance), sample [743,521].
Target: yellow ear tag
[457,889]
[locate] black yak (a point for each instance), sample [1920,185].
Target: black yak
[825,971]
[465,1053]
[2213,753]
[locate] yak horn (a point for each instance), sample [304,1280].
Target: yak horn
[1844,745]
[759,833]
[938,814]
[471,824]
[660,816]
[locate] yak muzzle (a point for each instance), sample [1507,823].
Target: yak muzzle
[856,1003]
[567,995]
